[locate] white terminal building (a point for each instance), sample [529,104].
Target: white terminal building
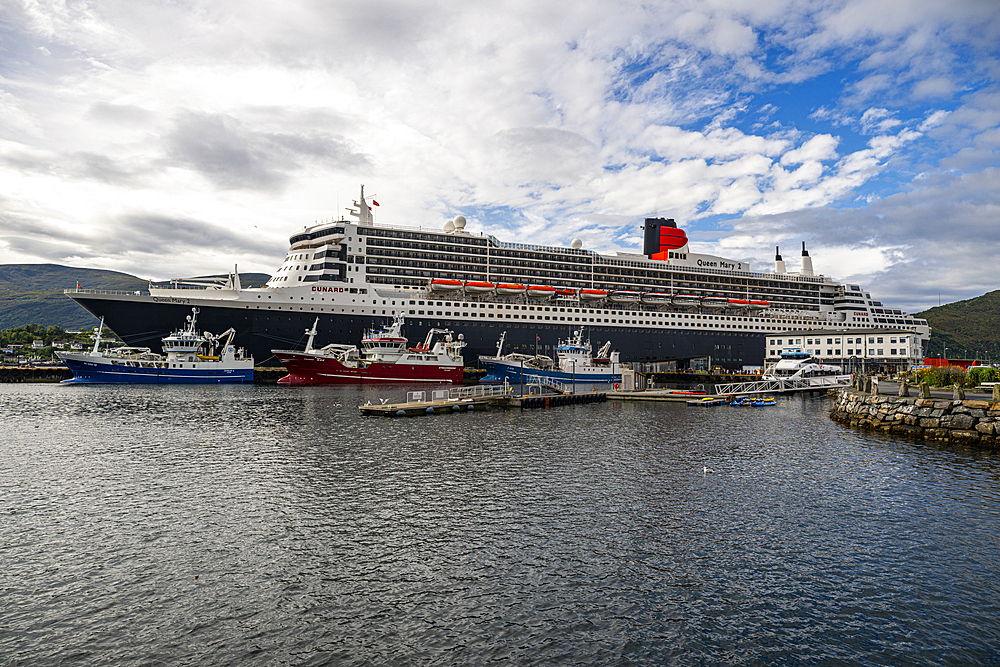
[856,350]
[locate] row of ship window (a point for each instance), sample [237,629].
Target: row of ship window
[448,304]
[410,235]
[598,320]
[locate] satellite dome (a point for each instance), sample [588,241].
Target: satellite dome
[459,222]
[449,226]
[577,244]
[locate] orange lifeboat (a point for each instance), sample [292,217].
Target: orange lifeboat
[541,292]
[739,303]
[510,288]
[759,305]
[565,291]
[593,294]
[477,287]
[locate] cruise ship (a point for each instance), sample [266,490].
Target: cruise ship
[667,303]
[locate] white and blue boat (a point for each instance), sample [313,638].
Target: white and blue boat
[189,358]
[574,363]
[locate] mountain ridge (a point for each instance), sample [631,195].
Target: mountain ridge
[968,329]
[33,293]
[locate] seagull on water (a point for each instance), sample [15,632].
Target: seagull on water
[705,470]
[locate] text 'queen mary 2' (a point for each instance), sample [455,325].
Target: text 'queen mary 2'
[667,303]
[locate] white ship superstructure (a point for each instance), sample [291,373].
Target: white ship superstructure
[667,303]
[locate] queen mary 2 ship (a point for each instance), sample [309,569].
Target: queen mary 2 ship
[668,303]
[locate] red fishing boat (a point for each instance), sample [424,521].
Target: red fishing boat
[383,357]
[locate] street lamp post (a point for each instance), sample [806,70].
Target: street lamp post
[574,376]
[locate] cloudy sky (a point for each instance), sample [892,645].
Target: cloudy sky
[179,138]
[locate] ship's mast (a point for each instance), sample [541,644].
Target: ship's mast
[362,211]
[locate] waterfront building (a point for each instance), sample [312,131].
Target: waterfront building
[874,350]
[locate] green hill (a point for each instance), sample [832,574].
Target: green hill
[968,328]
[33,293]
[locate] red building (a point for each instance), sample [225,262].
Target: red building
[963,363]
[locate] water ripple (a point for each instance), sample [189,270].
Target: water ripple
[264,525]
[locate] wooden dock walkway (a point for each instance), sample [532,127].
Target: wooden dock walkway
[661,395]
[473,399]
[437,407]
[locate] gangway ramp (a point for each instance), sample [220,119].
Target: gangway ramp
[783,386]
[544,381]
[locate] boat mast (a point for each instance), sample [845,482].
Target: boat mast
[312,334]
[97,339]
[193,319]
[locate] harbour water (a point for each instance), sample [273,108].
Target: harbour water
[263,525]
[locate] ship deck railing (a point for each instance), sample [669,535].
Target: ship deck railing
[458,393]
[85,290]
[781,385]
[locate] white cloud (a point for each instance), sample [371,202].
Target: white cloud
[878,121]
[261,117]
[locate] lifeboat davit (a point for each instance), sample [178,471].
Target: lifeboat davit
[655,297]
[510,288]
[624,296]
[759,305]
[593,294]
[714,302]
[541,292]
[477,287]
[738,303]
[445,285]
[685,300]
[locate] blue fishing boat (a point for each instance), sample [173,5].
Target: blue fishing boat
[189,357]
[574,362]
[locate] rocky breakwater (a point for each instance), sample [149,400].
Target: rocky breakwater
[969,422]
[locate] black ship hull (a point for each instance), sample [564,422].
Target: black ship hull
[143,322]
